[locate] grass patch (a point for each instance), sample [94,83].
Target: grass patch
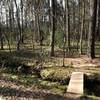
[60,74]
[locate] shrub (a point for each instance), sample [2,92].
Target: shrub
[56,74]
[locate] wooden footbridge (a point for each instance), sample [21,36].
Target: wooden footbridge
[76,83]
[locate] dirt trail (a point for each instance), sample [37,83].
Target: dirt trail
[83,62]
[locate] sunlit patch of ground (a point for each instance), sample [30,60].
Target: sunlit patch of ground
[82,62]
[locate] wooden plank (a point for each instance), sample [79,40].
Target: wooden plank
[76,83]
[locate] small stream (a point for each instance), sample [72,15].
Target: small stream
[92,85]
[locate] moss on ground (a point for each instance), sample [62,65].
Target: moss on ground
[57,74]
[34,80]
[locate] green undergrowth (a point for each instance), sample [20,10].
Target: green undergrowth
[34,80]
[61,74]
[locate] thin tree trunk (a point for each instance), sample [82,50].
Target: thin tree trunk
[19,26]
[53,28]
[67,25]
[2,48]
[78,39]
[22,40]
[1,34]
[74,23]
[82,26]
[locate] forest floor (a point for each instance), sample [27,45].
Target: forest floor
[83,63]
[30,87]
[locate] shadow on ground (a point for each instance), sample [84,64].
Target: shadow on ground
[10,92]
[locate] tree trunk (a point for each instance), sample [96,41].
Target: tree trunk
[82,26]
[1,41]
[92,29]
[67,24]
[53,28]
[22,40]
[1,38]
[98,24]
[1,34]
[78,39]
[19,26]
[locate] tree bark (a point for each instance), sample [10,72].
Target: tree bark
[19,26]
[92,28]
[82,26]
[1,34]
[67,24]
[98,24]
[53,28]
